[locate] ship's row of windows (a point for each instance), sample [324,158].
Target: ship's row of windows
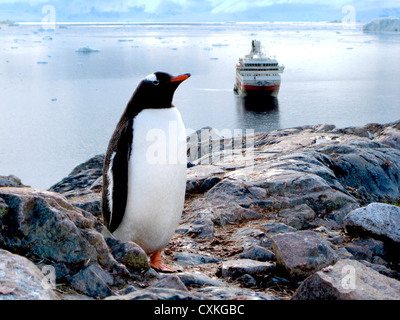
[262,64]
[259,75]
[245,69]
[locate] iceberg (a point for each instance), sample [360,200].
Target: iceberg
[389,24]
[86,50]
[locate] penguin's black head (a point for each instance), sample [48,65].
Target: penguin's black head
[157,90]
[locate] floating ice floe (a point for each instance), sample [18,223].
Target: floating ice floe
[86,49]
[389,24]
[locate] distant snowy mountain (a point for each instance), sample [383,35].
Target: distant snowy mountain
[195,10]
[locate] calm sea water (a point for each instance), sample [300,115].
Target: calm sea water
[59,107]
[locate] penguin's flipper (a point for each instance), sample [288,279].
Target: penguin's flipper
[115,175]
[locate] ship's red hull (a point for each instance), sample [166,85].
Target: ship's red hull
[245,90]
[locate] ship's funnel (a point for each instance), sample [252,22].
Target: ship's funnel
[255,46]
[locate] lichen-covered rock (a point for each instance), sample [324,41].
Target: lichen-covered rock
[44,225]
[131,255]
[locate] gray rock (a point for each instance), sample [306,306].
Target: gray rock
[153,293]
[367,249]
[201,178]
[258,253]
[232,293]
[93,281]
[10,181]
[348,280]
[248,236]
[197,279]
[91,202]
[302,253]
[43,224]
[83,185]
[377,219]
[37,219]
[373,171]
[287,181]
[381,269]
[299,217]
[82,177]
[20,279]
[170,281]
[198,225]
[191,259]
[390,137]
[236,268]
[273,227]
[247,280]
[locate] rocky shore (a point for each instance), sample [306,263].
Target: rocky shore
[302,213]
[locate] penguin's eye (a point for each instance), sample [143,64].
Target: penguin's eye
[156,82]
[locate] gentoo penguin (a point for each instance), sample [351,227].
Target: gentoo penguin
[144,174]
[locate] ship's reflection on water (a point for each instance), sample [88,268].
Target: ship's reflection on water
[260,113]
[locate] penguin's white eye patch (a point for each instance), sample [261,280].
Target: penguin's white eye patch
[151,78]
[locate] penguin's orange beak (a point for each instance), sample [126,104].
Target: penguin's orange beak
[181,78]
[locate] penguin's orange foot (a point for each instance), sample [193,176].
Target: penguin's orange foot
[157,264]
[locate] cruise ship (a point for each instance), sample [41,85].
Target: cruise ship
[257,73]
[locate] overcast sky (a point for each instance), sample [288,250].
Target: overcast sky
[197,10]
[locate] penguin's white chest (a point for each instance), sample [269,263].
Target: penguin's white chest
[156,179]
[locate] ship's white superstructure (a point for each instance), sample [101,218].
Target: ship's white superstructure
[258,73]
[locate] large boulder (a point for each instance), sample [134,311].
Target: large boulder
[83,185]
[44,225]
[371,169]
[348,280]
[302,253]
[378,220]
[20,279]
